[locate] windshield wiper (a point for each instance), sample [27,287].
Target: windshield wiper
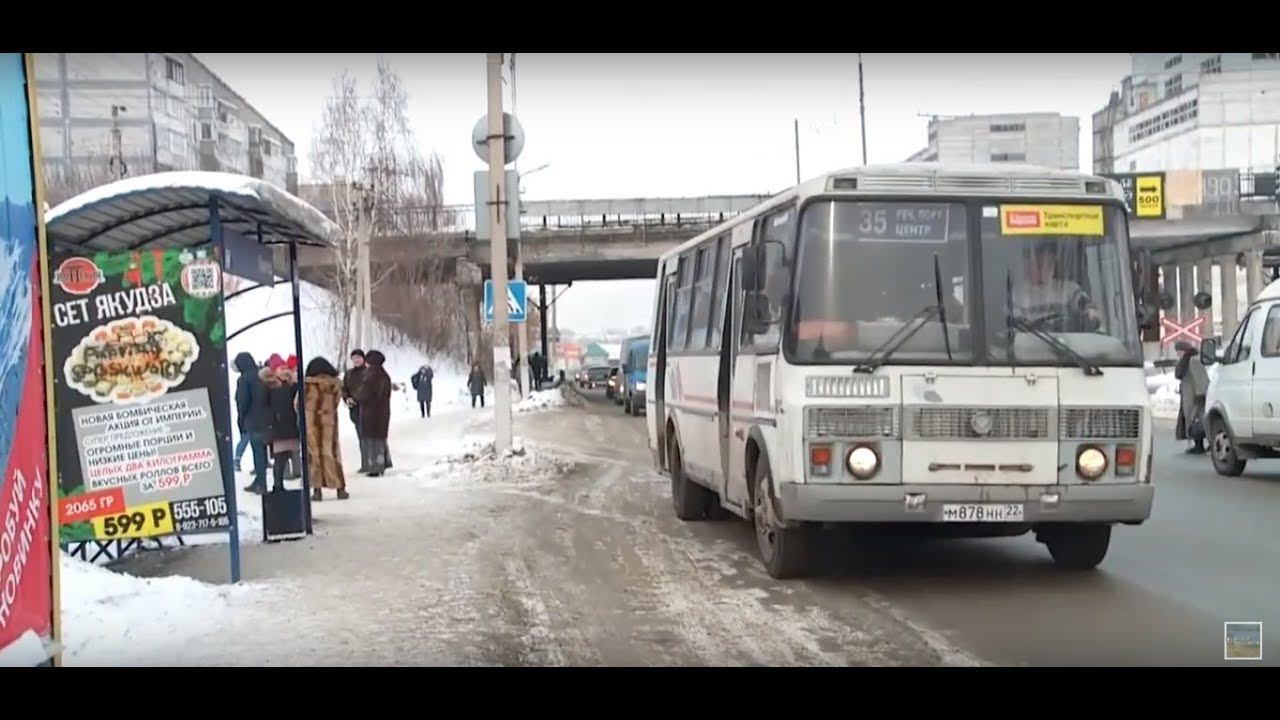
[1063,350]
[942,309]
[897,340]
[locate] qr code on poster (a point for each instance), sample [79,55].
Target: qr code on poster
[201,279]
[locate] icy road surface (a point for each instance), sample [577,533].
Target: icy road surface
[567,555]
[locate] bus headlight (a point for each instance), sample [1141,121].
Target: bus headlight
[863,462]
[1091,463]
[640,386]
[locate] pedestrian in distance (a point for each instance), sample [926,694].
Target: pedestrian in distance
[323,396]
[1193,389]
[375,413]
[350,392]
[476,383]
[282,390]
[253,416]
[422,382]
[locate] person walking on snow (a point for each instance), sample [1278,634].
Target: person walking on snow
[253,416]
[421,382]
[374,398]
[476,383]
[350,393]
[323,397]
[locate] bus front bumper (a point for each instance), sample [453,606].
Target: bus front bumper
[1125,503]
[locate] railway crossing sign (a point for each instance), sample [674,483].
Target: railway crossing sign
[1173,330]
[517,301]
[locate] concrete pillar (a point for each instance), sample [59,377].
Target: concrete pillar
[1204,283]
[472,296]
[1186,293]
[555,332]
[1253,273]
[1230,299]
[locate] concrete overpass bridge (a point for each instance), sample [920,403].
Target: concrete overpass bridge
[562,240]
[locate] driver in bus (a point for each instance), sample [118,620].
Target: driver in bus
[1039,293]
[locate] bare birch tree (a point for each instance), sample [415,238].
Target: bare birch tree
[367,158]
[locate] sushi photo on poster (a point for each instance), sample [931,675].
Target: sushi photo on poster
[26,561]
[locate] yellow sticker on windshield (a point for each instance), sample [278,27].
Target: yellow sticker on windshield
[1051,220]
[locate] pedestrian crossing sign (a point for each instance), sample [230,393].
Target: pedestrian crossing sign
[517,301]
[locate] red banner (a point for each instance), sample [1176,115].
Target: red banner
[26,597]
[26,579]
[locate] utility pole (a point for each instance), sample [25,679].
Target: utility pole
[862,110]
[364,293]
[116,164]
[498,200]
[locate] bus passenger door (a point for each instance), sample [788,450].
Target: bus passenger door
[658,417]
[724,382]
[739,390]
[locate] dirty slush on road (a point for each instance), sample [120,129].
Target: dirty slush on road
[562,554]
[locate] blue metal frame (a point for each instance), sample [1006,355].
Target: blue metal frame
[228,469]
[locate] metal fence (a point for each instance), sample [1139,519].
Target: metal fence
[462,218]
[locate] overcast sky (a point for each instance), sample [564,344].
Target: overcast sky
[666,125]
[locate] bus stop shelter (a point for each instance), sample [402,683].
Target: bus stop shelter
[246,219]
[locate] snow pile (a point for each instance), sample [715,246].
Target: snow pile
[482,465]
[541,400]
[114,619]
[1166,398]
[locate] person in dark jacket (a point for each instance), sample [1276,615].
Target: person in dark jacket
[476,383]
[1194,387]
[350,392]
[253,416]
[374,398]
[282,393]
[421,382]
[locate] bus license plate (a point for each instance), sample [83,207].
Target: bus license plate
[973,512]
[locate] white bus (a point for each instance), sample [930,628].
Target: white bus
[951,347]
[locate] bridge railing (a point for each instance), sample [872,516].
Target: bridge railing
[459,218]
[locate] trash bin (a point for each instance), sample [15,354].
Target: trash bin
[283,515]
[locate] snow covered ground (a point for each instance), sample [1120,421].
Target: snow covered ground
[114,619]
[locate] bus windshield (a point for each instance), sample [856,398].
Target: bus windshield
[1062,269]
[868,270]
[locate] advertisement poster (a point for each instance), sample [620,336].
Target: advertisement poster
[139,349]
[26,589]
[1051,220]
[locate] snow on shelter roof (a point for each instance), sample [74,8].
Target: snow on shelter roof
[171,209]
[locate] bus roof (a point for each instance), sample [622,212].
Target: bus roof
[932,178]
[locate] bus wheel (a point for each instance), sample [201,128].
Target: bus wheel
[1078,547]
[786,552]
[689,499]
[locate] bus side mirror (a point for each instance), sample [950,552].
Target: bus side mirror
[750,267]
[1208,351]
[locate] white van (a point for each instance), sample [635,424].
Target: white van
[1242,408]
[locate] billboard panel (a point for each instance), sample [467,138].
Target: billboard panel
[26,571]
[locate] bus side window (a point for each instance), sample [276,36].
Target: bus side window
[775,233]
